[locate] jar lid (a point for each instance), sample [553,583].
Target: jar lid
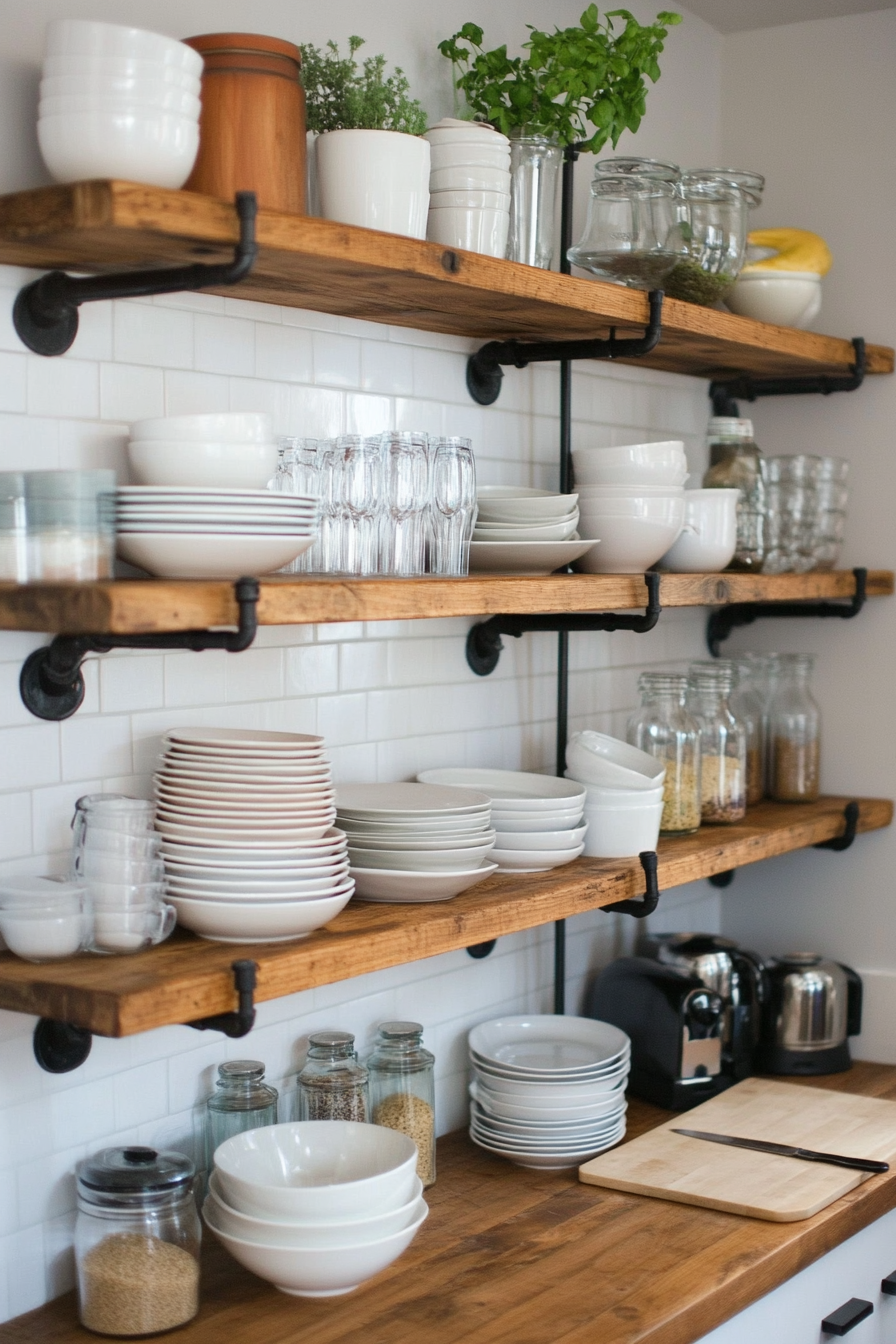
[238,1069]
[397,1031]
[329,1040]
[136,1171]
[730,427]
[250,44]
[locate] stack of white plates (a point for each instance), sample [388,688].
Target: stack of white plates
[184,532]
[548,1091]
[250,851]
[415,842]
[537,818]
[525,531]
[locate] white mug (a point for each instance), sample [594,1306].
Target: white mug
[707,542]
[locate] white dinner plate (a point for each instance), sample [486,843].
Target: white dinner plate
[198,494]
[268,534]
[418,861]
[544,840]
[545,1129]
[548,1041]
[288,803]
[235,776]
[559,1162]
[411,840]
[491,1072]
[369,802]
[276,877]
[331,844]
[431,826]
[217,814]
[245,739]
[525,557]
[592,1144]
[233,784]
[528,1093]
[403,888]
[522,1109]
[535,1142]
[527,823]
[210,837]
[246,893]
[188,555]
[511,789]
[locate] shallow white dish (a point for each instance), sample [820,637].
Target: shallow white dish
[430,827]
[391,886]
[630,545]
[522,1111]
[534,860]
[419,860]
[203,837]
[525,557]
[525,532]
[234,773]
[708,539]
[373,801]
[598,758]
[203,495]
[296,890]
[249,802]
[523,823]
[420,840]
[528,1092]
[266,1232]
[535,1140]
[325,850]
[543,840]
[256,921]
[523,503]
[517,790]
[278,877]
[496,1071]
[250,785]
[246,819]
[546,1042]
[550,1129]
[182,556]
[550,1162]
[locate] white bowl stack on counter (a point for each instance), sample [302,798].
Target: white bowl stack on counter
[246,818]
[624,794]
[469,187]
[415,842]
[537,818]
[316,1207]
[118,102]
[522,530]
[548,1091]
[632,497]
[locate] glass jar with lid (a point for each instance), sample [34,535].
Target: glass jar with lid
[748,707]
[402,1090]
[664,728]
[632,232]
[241,1100]
[137,1240]
[794,732]
[333,1084]
[735,463]
[723,743]
[714,213]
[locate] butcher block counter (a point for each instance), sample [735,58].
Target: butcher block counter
[510,1256]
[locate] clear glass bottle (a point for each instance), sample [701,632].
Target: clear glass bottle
[241,1100]
[748,707]
[332,1085]
[664,728]
[137,1240]
[723,743]
[735,463]
[402,1090]
[794,731]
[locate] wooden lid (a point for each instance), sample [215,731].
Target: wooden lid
[244,44]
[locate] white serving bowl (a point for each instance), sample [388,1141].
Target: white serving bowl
[470,177]
[153,87]
[317,1171]
[514,823]
[257,921]
[471,155]
[506,1108]
[483,231]
[786,298]
[549,1096]
[322,1271]
[159,149]
[202,462]
[98,71]
[219,426]
[630,545]
[597,758]
[167,99]
[599,796]
[181,556]
[622,832]
[88,38]
[282,1232]
[461,198]
[708,539]
[632,464]
[421,860]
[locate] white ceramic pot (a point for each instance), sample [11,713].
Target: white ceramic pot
[709,536]
[622,832]
[472,133]
[786,298]
[470,177]
[483,231]
[374,179]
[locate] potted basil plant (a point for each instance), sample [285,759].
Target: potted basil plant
[372,162]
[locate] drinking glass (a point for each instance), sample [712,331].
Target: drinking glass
[362,494]
[328,552]
[453,505]
[406,482]
[299,473]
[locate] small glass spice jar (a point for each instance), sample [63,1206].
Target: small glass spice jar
[794,732]
[242,1100]
[723,743]
[137,1241]
[748,707]
[402,1090]
[735,462]
[664,728]
[332,1085]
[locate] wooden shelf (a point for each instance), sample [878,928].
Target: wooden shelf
[187,978]
[509,1255]
[128,606]
[334,268]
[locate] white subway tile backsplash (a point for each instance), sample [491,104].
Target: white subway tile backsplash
[131,683]
[96,745]
[386,369]
[283,353]
[223,347]
[29,756]
[131,392]
[195,393]
[337,359]
[150,334]
[13,382]
[63,387]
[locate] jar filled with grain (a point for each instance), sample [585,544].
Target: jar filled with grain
[664,728]
[402,1090]
[748,707]
[241,1100]
[333,1084]
[723,743]
[137,1241]
[794,732]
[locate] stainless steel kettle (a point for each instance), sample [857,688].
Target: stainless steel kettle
[813,1006]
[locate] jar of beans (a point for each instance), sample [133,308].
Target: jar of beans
[402,1091]
[795,732]
[332,1085]
[723,742]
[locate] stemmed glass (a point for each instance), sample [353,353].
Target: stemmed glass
[362,494]
[406,481]
[453,505]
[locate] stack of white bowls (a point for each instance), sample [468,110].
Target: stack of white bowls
[520,529]
[624,794]
[414,842]
[246,816]
[118,102]
[548,1091]
[469,187]
[233,450]
[537,818]
[316,1207]
[632,497]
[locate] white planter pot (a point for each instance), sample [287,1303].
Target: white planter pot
[375,179]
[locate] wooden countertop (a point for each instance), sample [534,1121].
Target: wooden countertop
[509,1256]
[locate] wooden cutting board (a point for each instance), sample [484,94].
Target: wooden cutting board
[759,1185]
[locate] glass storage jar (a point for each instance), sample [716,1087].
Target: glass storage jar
[735,463]
[242,1100]
[748,707]
[723,743]
[713,212]
[632,233]
[402,1090]
[794,731]
[332,1085]
[535,163]
[137,1241]
[664,728]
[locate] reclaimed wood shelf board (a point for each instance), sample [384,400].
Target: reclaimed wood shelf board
[334,268]
[187,978]
[129,606]
[510,1255]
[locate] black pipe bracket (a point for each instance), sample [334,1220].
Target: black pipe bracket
[51,682]
[45,313]
[725,619]
[59,1047]
[485,375]
[850,824]
[642,906]
[241,1021]
[484,643]
[479,951]
[726,392]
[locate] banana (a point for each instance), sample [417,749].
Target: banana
[796,250]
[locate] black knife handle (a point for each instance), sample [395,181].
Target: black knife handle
[832,1160]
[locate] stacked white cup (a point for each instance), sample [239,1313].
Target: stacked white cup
[469,187]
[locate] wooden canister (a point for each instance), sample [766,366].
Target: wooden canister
[252,127]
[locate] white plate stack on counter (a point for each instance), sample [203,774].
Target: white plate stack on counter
[537,818]
[250,851]
[548,1091]
[522,530]
[415,842]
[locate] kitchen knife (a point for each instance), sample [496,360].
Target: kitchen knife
[787,1150]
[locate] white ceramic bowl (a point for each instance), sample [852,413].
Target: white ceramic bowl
[597,758]
[709,537]
[551,1095]
[168,99]
[521,823]
[471,155]
[212,556]
[473,133]
[622,832]
[420,860]
[519,504]
[787,298]
[630,545]
[526,531]
[543,840]
[88,38]
[627,493]
[97,71]
[470,177]
[256,921]
[153,88]
[158,149]
[392,886]
[512,790]
[598,795]
[632,464]
[483,231]
[317,1171]
[202,462]
[219,427]
[506,1108]
[462,198]
[282,1232]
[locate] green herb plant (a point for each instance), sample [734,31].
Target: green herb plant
[580,85]
[341,97]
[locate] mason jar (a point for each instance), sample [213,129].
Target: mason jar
[535,164]
[715,214]
[632,233]
[723,743]
[333,1084]
[664,728]
[241,1100]
[748,707]
[735,462]
[402,1090]
[795,732]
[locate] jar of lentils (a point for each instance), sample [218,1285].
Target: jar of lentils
[723,743]
[664,728]
[402,1091]
[333,1084]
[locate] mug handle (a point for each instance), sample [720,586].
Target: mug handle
[166,918]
